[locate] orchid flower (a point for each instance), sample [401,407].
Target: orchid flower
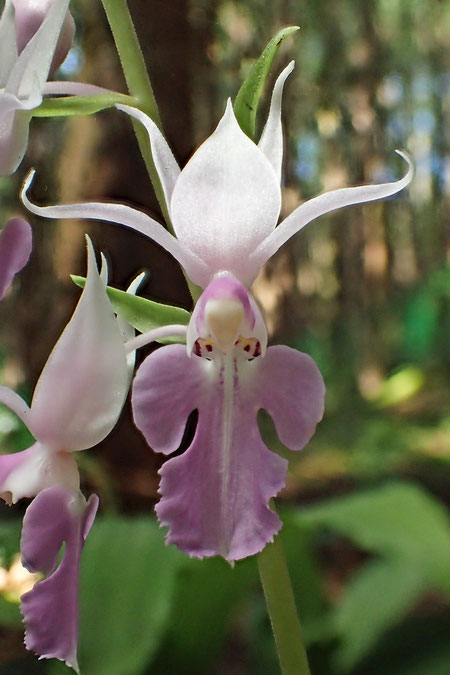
[76,403]
[15,250]
[224,206]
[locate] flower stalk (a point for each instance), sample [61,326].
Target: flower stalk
[282,610]
[138,83]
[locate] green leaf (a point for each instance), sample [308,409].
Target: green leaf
[378,597]
[64,106]
[127,584]
[398,520]
[10,615]
[143,314]
[247,99]
[209,593]
[410,531]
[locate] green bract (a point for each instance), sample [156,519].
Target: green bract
[143,314]
[247,99]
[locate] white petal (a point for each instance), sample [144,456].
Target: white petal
[226,200]
[165,163]
[14,124]
[66,88]
[271,141]
[126,328]
[129,217]
[84,383]
[329,201]
[8,46]
[33,65]
[176,330]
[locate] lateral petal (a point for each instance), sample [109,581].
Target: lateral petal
[271,141]
[196,269]
[226,200]
[50,609]
[83,386]
[15,250]
[329,201]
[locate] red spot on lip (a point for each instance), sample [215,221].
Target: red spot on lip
[257,349]
[247,348]
[209,348]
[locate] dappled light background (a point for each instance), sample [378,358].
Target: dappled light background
[365,291]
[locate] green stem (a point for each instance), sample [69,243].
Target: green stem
[138,83]
[282,610]
[139,86]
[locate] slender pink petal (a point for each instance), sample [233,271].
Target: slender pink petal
[329,201]
[197,270]
[84,383]
[176,330]
[165,163]
[26,473]
[67,88]
[215,495]
[226,200]
[50,609]
[15,250]
[271,141]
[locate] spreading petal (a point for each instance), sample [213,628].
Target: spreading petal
[271,141]
[329,201]
[226,200]
[165,163]
[82,388]
[196,270]
[215,495]
[15,249]
[50,609]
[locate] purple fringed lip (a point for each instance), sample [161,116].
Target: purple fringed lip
[215,496]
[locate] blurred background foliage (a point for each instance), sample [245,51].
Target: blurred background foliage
[365,291]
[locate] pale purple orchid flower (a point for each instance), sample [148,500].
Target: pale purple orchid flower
[224,206]
[76,403]
[15,250]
